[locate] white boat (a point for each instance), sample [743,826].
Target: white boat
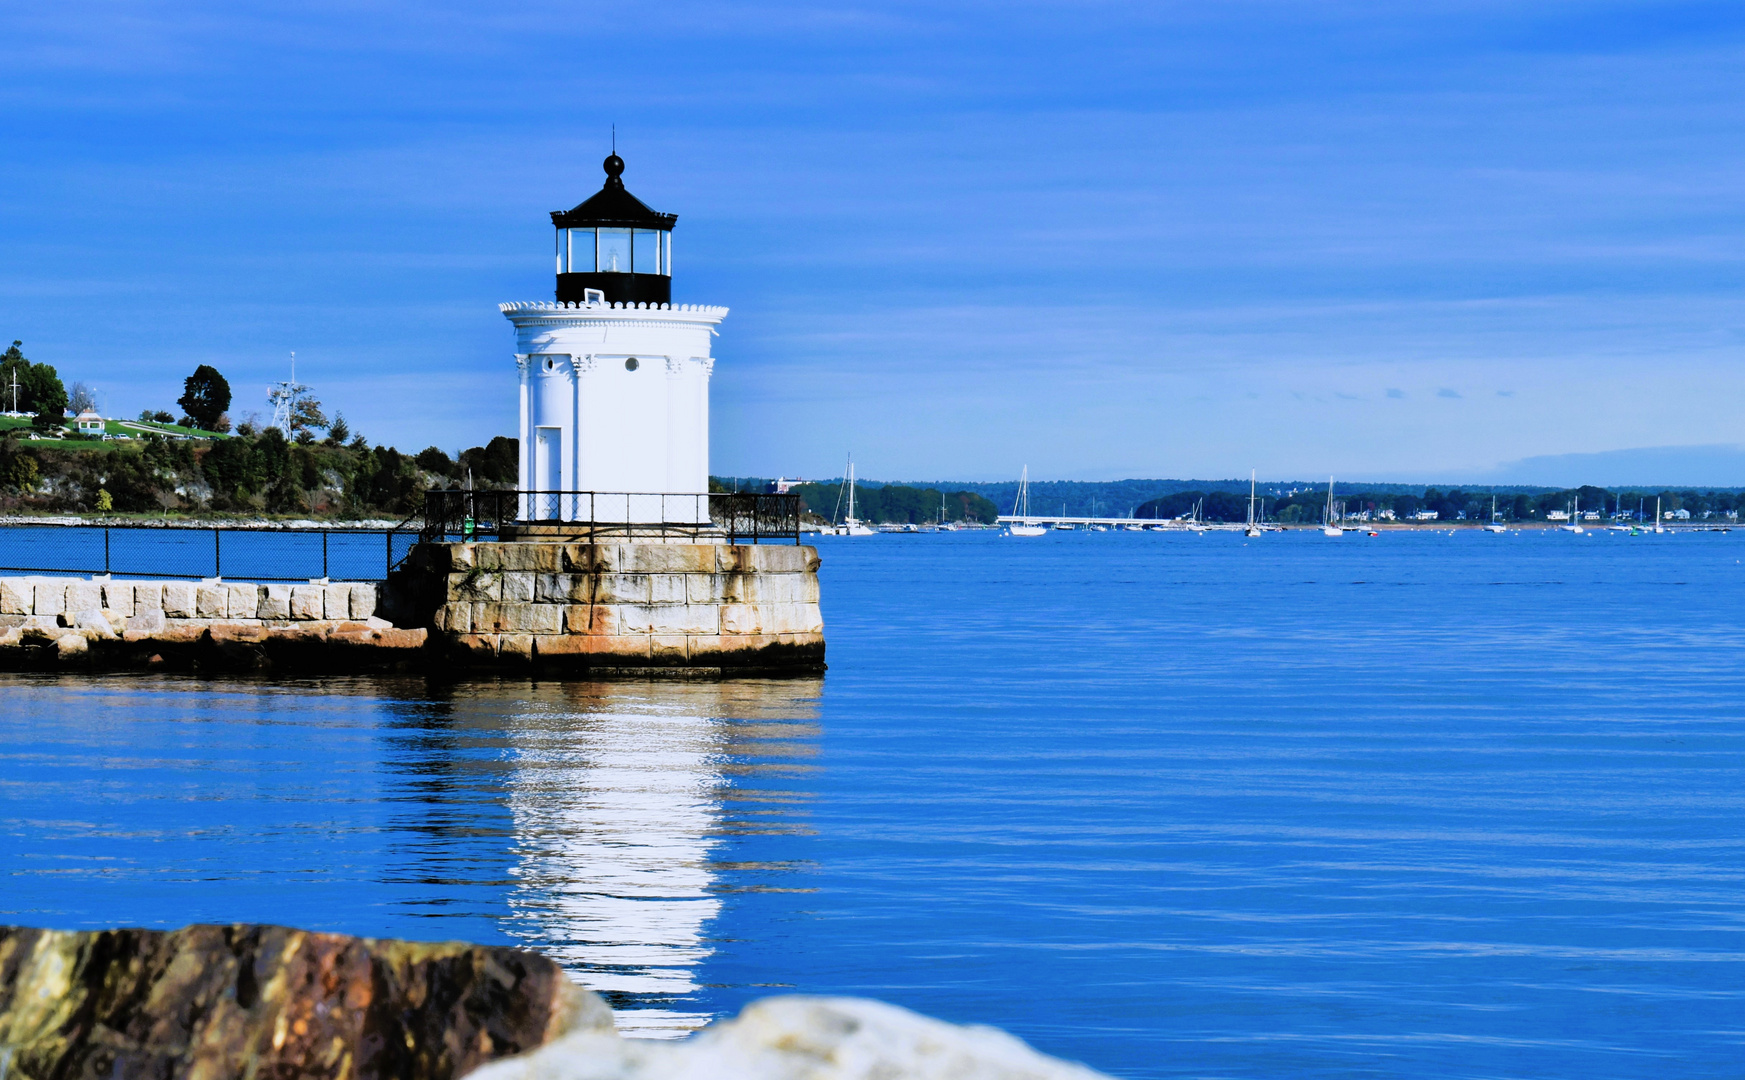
[1194,523]
[1021,509]
[1063,526]
[1494,526]
[1253,528]
[1329,519]
[1574,525]
[1658,527]
[849,525]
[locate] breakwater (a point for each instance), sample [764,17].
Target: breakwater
[523,605]
[104,622]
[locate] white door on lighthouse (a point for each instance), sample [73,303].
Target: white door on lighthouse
[548,471]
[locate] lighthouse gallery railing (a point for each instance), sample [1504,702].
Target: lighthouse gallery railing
[737,517]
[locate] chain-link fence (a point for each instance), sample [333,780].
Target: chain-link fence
[185,552]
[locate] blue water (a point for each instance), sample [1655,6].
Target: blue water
[1171,805]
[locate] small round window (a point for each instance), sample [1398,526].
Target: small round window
[631,364]
[550,364]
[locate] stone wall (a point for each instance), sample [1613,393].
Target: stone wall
[58,620]
[563,607]
[581,605]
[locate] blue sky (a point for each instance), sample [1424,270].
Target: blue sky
[1390,241]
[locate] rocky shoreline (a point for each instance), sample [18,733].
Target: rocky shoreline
[252,1002]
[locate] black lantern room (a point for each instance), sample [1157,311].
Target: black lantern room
[615,244]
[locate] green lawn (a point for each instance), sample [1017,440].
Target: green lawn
[134,428]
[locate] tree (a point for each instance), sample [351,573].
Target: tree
[340,431]
[497,462]
[205,396]
[34,388]
[433,460]
[82,397]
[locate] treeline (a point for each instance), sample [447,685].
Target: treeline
[262,472]
[896,504]
[1307,504]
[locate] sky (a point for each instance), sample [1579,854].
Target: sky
[1417,242]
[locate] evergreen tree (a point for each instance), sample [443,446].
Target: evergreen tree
[205,396]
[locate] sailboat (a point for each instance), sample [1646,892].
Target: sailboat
[850,525]
[1253,528]
[1021,510]
[1658,527]
[1574,525]
[1494,525]
[1329,524]
[1063,526]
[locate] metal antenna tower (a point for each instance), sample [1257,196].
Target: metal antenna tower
[283,396]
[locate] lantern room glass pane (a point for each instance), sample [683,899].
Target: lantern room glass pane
[647,251]
[614,251]
[581,251]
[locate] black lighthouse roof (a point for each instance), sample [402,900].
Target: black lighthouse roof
[612,205]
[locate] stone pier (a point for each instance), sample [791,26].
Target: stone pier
[48,622]
[581,607]
[558,608]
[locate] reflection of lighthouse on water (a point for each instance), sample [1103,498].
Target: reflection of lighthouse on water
[615,814]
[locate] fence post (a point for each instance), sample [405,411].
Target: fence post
[323,554]
[217,555]
[105,551]
[388,568]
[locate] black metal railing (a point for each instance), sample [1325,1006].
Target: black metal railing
[181,551]
[737,517]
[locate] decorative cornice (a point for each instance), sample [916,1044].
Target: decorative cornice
[523,361]
[552,313]
[708,363]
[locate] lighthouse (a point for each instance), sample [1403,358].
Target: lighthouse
[614,377]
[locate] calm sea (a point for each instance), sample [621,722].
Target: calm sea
[1172,805]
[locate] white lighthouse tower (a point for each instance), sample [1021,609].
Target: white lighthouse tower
[614,376]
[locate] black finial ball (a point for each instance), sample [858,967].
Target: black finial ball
[614,166]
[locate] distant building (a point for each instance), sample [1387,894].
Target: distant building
[784,485]
[1426,515]
[1557,515]
[89,423]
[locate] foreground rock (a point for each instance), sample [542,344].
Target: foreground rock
[216,1002]
[798,1038]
